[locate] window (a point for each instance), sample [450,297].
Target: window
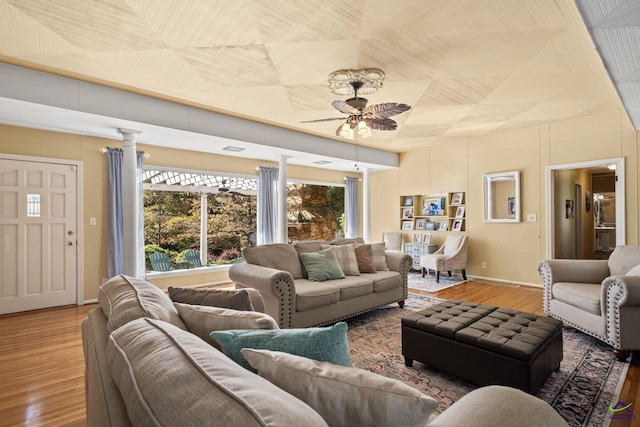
[33,205]
[174,201]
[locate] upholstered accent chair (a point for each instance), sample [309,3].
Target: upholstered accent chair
[452,255]
[392,241]
[598,297]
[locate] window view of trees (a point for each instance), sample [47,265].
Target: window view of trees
[172,222]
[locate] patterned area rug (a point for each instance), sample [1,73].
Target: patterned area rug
[589,379]
[428,282]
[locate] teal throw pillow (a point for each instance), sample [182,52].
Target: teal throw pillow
[325,344]
[322,265]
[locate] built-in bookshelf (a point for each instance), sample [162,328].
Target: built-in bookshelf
[433,212]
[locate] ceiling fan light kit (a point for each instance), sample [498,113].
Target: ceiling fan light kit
[360,117]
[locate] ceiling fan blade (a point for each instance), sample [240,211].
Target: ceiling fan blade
[382,123]
[323,120]
[343,107]
[386,109]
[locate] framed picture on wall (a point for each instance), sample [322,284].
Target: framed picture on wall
[426,238]
[443,225]
[420,224]
[407,212]
[569,204]
[433,207]
[460,212]
[408,200]
[587,201]
[457,225]
[430,226]
[417,238]
[407,225]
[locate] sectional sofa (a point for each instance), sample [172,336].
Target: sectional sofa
[148,363]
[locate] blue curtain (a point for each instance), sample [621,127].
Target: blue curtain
[114,212]
[352,217]
[267,205]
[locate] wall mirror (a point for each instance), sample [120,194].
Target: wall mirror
[502,197]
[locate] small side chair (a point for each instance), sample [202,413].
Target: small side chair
[452,255]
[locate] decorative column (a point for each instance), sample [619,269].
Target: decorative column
[281,229]
[366,208]
[204,209]
[130,207]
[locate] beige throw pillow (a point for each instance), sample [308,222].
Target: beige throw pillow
[344,396]
[346,255]
[201,320]
[379,257]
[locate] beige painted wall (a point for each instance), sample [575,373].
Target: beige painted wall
[37,143]
[511,251]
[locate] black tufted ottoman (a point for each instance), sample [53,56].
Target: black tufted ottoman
[484,344]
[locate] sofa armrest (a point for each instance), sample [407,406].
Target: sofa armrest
[573,270]
[276,287]
[399,261]
[498,405]
[622,311]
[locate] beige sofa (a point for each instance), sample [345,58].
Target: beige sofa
[145,367]
[599,297]
[292,299]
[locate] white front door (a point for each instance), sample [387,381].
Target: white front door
[38,234]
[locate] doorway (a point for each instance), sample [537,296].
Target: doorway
[572,232]
[40,233]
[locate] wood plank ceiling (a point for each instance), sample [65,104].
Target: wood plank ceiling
[467,67]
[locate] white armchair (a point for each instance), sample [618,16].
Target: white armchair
[392,241]
[598,297]
[452,255]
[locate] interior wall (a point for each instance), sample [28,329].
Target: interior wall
[38,143]
[512,251]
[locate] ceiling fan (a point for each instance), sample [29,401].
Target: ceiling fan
[224,190]
[361,117]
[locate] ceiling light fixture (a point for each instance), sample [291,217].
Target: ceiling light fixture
[361,119]
[233,148]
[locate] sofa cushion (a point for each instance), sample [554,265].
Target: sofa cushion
[623,259]
[310,295]
[170,377]
[322,265]
[346,255]
[202,319]
[236,299]
[384,280]
[328,343]
[365,259]
[582,295]
[344,396]
[379,257]
[280,256]
[354,287]
[635,271]
[123,299]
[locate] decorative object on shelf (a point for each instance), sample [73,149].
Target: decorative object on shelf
[407,213]
[417,237]
[456,198]
[443,226]
[498,189]
[433,206]
[408,201]
[430,225]
[426,238]
[360,117]
[457,225]
[407,225]
[460,212]
[421,224]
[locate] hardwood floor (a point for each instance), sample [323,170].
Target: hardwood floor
[42,365]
